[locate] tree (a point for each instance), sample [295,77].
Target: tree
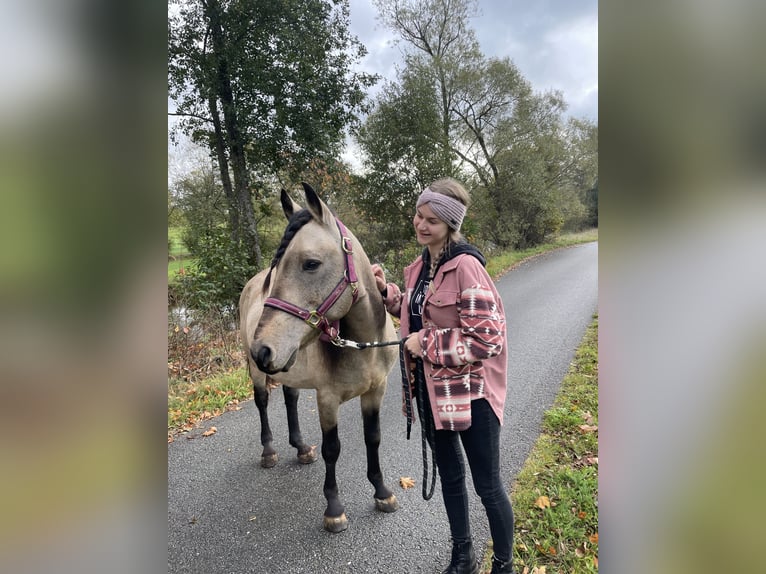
[200,200]
[266,86]
[443,45]
[524,163]
[400,141]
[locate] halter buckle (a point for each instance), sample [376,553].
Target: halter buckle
[314,319]
[345,243]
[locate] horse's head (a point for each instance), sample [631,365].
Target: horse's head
[308,281]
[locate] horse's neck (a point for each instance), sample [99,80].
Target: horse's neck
[366,320]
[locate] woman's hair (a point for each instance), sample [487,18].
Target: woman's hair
[454,189]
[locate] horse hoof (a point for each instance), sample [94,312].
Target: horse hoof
[269,460]
[389,504]
[309,456]
[336,524]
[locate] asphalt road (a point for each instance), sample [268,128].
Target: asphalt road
[227,515]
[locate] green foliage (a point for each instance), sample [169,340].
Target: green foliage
[288,65]
[555,497]
[527,168]
[267,87]
[220,273]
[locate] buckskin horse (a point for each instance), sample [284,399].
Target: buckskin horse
[320,284]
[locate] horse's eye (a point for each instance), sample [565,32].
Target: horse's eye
[311,265]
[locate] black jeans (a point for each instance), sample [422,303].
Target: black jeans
[481,442]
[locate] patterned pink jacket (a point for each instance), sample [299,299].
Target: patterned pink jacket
[463,337]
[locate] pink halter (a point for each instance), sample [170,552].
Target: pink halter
[316,318]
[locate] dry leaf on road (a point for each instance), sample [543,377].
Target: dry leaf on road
[406,482]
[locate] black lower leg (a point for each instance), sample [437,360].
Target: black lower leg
[261,396]
[330,454]
[294,428]
[371,422]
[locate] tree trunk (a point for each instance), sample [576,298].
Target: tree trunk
[233,136]
[223,166]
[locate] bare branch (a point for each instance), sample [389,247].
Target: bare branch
[203,118]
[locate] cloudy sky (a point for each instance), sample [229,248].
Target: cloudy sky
[554,43]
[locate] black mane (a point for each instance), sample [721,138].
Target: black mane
[297,221]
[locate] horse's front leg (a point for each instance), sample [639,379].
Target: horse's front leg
[335,514]
[385,499]
[261,395]
[306,454]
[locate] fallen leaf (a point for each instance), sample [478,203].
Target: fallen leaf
[593,538]
[581,550]
[406,482]
[543,502]
[588,428]
[211,430]
[538,570]
[581,515]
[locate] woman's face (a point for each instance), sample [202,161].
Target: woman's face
[431,231]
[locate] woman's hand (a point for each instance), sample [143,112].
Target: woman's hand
[380,277]
[412,344]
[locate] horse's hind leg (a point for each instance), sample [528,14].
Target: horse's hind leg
[261,395]
[385,500]
[306,454]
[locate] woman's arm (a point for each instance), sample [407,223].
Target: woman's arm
[481,331]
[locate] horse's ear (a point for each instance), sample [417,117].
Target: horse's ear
[316,206]
[288,205]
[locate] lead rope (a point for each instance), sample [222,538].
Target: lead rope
[427,430]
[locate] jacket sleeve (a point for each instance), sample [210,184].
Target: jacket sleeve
[481,332]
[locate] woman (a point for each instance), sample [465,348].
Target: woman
[454,324]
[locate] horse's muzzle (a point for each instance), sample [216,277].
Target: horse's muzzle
[264,359]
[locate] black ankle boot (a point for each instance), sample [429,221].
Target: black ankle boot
[463,558]
[500,567]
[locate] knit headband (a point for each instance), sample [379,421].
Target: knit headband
[449,210]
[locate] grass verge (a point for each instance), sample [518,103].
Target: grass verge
[555,496]
[191,403]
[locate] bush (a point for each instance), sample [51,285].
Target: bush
[217,279]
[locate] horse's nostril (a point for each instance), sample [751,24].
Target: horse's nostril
[261,355]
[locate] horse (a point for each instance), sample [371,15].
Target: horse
[319,285]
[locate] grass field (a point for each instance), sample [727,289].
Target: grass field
[178,256]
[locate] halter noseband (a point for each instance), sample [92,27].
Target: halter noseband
[317,318]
